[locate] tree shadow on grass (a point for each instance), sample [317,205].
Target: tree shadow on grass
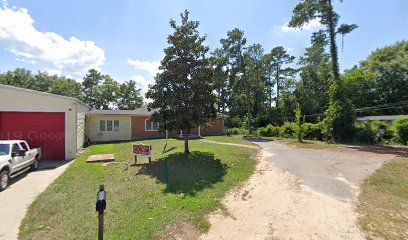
[187,174]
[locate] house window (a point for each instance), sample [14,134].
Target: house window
[151,126]
[109,125]
[116,125]
[102,125]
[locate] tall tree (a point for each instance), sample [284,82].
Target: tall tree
[183,90]
[90,81]
[234,45]
[315,72]
[65,86]
[129,96]
[340,117]
[105,95]
[219,61]
[277,60]
[256,74]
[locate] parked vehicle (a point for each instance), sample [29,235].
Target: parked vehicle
[16,157]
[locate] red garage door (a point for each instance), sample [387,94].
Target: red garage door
[39,129]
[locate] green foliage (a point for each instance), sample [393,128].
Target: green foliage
[401,129]
[288,130]
[269,131]
[364,133]
[313,131]
[237,131]
[183,91]
[340,116]
[368,132]
[97,90]
[298,119]
[129,96]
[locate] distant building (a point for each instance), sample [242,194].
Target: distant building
[385,118]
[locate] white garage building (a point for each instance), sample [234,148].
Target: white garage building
[53,122]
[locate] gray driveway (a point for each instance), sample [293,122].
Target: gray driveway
[22,191]
[335,172]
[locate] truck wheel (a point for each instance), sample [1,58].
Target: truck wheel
[34,165]
[4,180]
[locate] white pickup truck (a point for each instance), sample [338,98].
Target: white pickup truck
[16,157]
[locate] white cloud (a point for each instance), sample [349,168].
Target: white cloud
[310,26]
[142,82]
[150,67]
[70,56]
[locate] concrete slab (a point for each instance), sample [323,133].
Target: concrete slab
[22,191]
[101,158]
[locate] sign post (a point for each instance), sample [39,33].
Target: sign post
[142,150]
[100,208]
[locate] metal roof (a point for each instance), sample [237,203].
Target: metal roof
[381,118]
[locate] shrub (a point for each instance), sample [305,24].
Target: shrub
[401,130]
[236,131]
[389,132]
[288,130]
[313,131]
[364,133]
[340,117]
[269,131]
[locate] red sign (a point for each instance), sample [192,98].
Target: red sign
[141,150]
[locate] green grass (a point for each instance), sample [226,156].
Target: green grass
[237,139]
[140,204]
[383,202]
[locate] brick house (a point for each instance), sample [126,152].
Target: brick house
[122,125]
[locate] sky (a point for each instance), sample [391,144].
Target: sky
[126,38]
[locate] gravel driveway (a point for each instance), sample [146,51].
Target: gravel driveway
[298,193]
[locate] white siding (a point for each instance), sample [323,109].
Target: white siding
[81,112]
[22,100]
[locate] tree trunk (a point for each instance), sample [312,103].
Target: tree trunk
[277,86]
[186,148]
[270,91]
[333,46]
[248,97]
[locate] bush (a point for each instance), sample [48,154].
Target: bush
[288,130]
[269,131]
[236,131]
[364,133]
[313,131]
[389,132]
[401,130]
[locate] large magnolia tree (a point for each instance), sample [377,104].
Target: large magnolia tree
[182,95]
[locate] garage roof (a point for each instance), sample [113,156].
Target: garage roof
[70,99]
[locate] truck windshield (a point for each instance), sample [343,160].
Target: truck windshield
[4,149]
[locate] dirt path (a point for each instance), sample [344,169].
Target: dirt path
[293,195]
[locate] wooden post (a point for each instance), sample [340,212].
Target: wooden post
[100,228]
[150,158]
[135,159]
[199,130]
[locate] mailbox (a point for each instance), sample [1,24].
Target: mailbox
[101,200]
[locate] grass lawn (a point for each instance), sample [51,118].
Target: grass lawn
[383,201]
[140,204]
[230,139]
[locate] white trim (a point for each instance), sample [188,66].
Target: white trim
[71,99]
[151,125]
[106,125]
